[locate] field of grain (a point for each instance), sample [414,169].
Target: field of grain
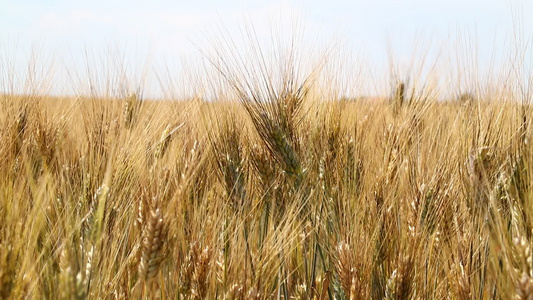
[278,192]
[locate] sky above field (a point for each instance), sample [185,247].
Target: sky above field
[166,32]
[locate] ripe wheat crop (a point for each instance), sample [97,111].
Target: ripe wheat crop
[277,192]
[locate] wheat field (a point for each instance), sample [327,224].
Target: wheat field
[278,192]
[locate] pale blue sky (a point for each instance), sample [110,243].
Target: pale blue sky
[162,30]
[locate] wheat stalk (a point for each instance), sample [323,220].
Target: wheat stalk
[153,253]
